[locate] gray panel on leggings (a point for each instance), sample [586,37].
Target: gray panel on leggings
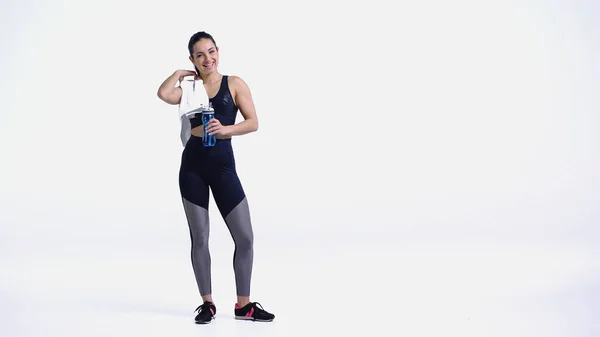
[198,222]
[240,226]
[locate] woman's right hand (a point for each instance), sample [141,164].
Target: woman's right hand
[184,73]
[169,91]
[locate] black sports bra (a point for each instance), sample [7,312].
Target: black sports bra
[224,105]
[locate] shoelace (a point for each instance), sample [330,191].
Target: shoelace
[203,306]
[256,305]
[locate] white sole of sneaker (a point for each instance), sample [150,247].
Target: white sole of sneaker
[244,318]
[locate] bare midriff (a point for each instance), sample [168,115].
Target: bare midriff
[198,132]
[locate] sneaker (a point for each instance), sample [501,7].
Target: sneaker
[253,312]
[206,313]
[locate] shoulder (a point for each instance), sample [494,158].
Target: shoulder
[236,81]
[237,86]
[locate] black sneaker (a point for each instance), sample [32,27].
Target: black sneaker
[206,313]
[254,312]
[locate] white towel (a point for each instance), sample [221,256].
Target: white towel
[193,99]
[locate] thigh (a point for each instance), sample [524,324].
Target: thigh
[226,186]
[193,184]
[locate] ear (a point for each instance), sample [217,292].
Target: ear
[191,59]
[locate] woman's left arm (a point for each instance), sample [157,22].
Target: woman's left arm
[244,102]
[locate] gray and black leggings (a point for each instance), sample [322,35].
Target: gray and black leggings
[214,167]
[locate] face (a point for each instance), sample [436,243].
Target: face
[205,56]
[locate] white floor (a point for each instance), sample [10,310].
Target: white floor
[370,285]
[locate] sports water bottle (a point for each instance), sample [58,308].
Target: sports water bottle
[207,115]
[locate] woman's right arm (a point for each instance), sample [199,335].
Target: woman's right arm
[169,91]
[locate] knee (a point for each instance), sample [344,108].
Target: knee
[244,242]
[199,241]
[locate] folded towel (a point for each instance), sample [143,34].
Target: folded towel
[193,99]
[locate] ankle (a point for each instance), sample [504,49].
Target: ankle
[242,302]
[208,299]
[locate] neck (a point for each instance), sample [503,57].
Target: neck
[212,77]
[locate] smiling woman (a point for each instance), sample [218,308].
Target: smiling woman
[214,167]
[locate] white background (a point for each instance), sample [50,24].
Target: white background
[421,167]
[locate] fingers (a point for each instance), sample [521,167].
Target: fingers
[213,130]
[213,126]
[185,73]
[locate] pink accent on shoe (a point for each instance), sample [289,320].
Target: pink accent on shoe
[212,312]
[249,314]
[237,306]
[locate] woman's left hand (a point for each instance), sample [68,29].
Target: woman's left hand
[215,127]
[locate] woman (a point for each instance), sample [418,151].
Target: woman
[214,167]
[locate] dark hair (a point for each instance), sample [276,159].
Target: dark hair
[195,38]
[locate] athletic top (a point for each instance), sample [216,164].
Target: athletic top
[224,105]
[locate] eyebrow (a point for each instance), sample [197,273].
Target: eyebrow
[211,48]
